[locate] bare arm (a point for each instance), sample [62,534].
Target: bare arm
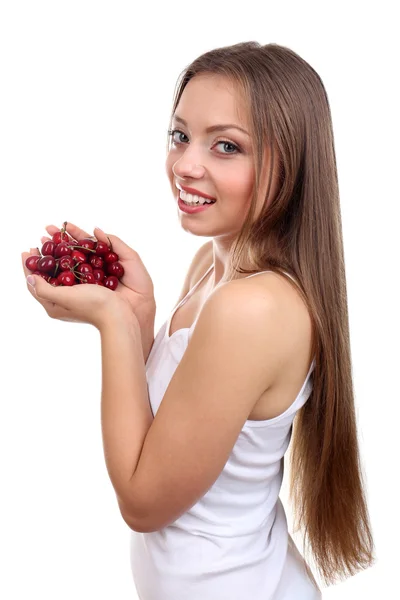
[126,415]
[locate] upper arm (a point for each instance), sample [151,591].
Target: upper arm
[197,261]
[232,357]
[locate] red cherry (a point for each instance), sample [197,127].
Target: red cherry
[48,248]
[60,236]
[62,249]
[44,276]
[66,278]
[86,245]
[102,248]
[97,262]
[31,262]
[46,264]
[115,268]
[98,274]
[111,257]
[111,282]
[66,263]
[78,256]
[88,278]
[84,268]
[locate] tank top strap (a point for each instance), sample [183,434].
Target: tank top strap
[259,273]
[269,271]
[196,285]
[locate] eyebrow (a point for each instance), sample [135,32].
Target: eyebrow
[214,127]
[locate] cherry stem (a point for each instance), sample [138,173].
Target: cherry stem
[77,273]
[86,249]
[40,254]
[111,248]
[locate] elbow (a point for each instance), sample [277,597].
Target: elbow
[140,523]
[142,516]
[143,524]
[134,523]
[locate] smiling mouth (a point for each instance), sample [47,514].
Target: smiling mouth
[204,201]
[208,202]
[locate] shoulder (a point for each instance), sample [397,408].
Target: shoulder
[265,291]
[266,312]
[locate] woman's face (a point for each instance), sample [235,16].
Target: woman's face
[218,163]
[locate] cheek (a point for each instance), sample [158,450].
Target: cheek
[238,186]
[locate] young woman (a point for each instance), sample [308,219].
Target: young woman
[196,421]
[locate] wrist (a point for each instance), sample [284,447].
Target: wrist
[118,314]
[146,311]
[146,320]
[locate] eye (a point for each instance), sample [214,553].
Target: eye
[171,133]
[226,143]
[236,149]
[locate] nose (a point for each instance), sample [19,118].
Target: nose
[184,167]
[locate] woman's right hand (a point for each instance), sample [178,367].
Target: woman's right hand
[135,286]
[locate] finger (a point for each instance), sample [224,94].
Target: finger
[52,229]
[48,294]
[44,239]
[24,256]
[74,231]
[123,250]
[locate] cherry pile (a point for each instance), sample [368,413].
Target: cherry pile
[65,261]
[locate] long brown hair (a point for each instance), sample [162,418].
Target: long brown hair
[300,232]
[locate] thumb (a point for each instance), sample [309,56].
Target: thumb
[46,291]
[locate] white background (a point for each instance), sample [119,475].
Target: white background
[86,91]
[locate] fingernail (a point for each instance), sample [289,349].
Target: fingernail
[31,280]
[99,228]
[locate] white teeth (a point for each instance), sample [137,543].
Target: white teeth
[193,199]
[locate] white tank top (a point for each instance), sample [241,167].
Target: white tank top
[233,544]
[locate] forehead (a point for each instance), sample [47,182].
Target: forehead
[212,97]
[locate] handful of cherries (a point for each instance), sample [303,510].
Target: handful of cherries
[65,261]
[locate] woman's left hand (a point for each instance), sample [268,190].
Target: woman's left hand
[82,303]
